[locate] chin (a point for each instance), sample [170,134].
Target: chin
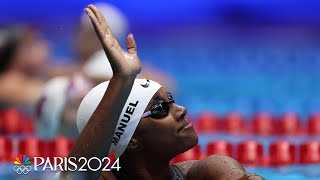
[191,140]
[195,139]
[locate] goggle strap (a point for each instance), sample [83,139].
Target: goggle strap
[146,114]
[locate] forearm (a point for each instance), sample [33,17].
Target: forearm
[95,139]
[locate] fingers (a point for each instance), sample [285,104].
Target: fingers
[101,27]
[131,44]
[95,22]
[100,18]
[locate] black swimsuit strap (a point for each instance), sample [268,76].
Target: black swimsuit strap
[177,174]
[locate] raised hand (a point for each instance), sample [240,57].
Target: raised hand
[123,63]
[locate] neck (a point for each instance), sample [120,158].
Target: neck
[146,167]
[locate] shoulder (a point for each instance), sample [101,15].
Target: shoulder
[215,166]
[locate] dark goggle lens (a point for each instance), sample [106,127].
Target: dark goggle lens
[161,110]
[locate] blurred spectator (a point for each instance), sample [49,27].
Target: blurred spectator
[23,57]
[91,58]
[56,110]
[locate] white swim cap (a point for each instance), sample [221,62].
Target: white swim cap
[142,92]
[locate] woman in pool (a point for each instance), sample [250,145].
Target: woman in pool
[139,122]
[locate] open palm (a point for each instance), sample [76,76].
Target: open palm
[122,63]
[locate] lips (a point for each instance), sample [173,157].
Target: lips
[185,126]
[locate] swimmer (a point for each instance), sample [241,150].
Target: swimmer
[139,121]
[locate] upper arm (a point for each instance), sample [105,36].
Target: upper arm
[215,167]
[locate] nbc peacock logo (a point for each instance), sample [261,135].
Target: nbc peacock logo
[22,165]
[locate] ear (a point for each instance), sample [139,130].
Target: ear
[133,145]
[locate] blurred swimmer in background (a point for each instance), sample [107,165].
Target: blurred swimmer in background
[56,109]
[23,56]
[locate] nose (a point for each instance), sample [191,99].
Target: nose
[180,112]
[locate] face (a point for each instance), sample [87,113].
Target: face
[32,54]
[171,134]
